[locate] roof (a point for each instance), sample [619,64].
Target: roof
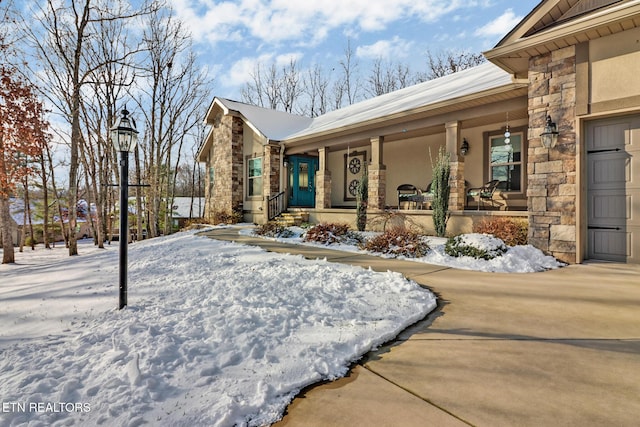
[470,82]
[182,207]
[17,211]
[273,124]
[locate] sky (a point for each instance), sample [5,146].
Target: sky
[215,333]
[231,36]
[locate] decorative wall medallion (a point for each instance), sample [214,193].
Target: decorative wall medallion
[353,170]
[353,187]
[355,165]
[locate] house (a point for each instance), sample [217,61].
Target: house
[185,209]
[553,116]
[19,218]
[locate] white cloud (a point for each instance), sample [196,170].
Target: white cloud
[396,48]
[499,26]
[242,70]
[305,22]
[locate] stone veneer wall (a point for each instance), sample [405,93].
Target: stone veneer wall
[551,190]
[228,167]
[458,194]
[323,190]
[271,171]
[377,182]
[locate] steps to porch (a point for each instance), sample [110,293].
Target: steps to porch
[289,219]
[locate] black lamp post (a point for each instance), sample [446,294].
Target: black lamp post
[124,137]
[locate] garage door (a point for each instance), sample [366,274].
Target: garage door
[613,178]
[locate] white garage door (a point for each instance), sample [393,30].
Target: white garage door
[613,177]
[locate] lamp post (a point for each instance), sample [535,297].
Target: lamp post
[124,137]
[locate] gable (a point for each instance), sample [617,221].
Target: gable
[556,24]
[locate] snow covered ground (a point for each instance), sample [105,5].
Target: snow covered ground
[215,333]
[517,259]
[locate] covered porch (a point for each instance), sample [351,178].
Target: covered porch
[485,134]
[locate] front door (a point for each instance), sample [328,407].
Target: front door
[302,175]
[613,193]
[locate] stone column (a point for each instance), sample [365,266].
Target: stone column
[270,176]
[323,181]
[237,164]
[551,191]
[377,176]
[457,195]
[228,167]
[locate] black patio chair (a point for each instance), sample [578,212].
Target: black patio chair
[484,193]
[406,193]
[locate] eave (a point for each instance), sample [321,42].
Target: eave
[409,120]
[513,56]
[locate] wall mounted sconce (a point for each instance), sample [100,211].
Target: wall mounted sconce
[464,148]
[550,134]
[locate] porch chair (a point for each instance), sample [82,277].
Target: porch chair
[406,193]
[423,197]
[484,193]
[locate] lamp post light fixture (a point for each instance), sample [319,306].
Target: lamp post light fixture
[124,137]
[550,134]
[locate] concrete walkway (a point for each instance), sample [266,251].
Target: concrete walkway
[558,348]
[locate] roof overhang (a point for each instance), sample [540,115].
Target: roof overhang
[424,116]
[513,52]
[217,108]
[203,151]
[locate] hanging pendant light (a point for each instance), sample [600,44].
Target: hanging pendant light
[507,134]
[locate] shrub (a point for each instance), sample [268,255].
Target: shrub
[398,241]
[510,230]
[327,233]
[362,198]
[392,218]
[226,217]
[440,188]
[272,229]
[479,246]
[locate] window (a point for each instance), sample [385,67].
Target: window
[255,176]
[506,162]
[211,179]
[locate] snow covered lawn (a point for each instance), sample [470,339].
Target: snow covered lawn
[215,333]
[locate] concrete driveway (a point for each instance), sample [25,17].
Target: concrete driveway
[558,348]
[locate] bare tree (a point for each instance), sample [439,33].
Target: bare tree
[386,77]
[172,92]
[315,86]
[347,89]
[446,62]
[63,42]
[291,89]
[264,88]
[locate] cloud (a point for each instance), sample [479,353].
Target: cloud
[305,22]
[499,26]
[396,48]
[241,71]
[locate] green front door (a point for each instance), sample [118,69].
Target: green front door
[302,175]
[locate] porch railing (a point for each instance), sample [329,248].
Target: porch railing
[275,205]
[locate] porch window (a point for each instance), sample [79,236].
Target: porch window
[255,176]
[506,162]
